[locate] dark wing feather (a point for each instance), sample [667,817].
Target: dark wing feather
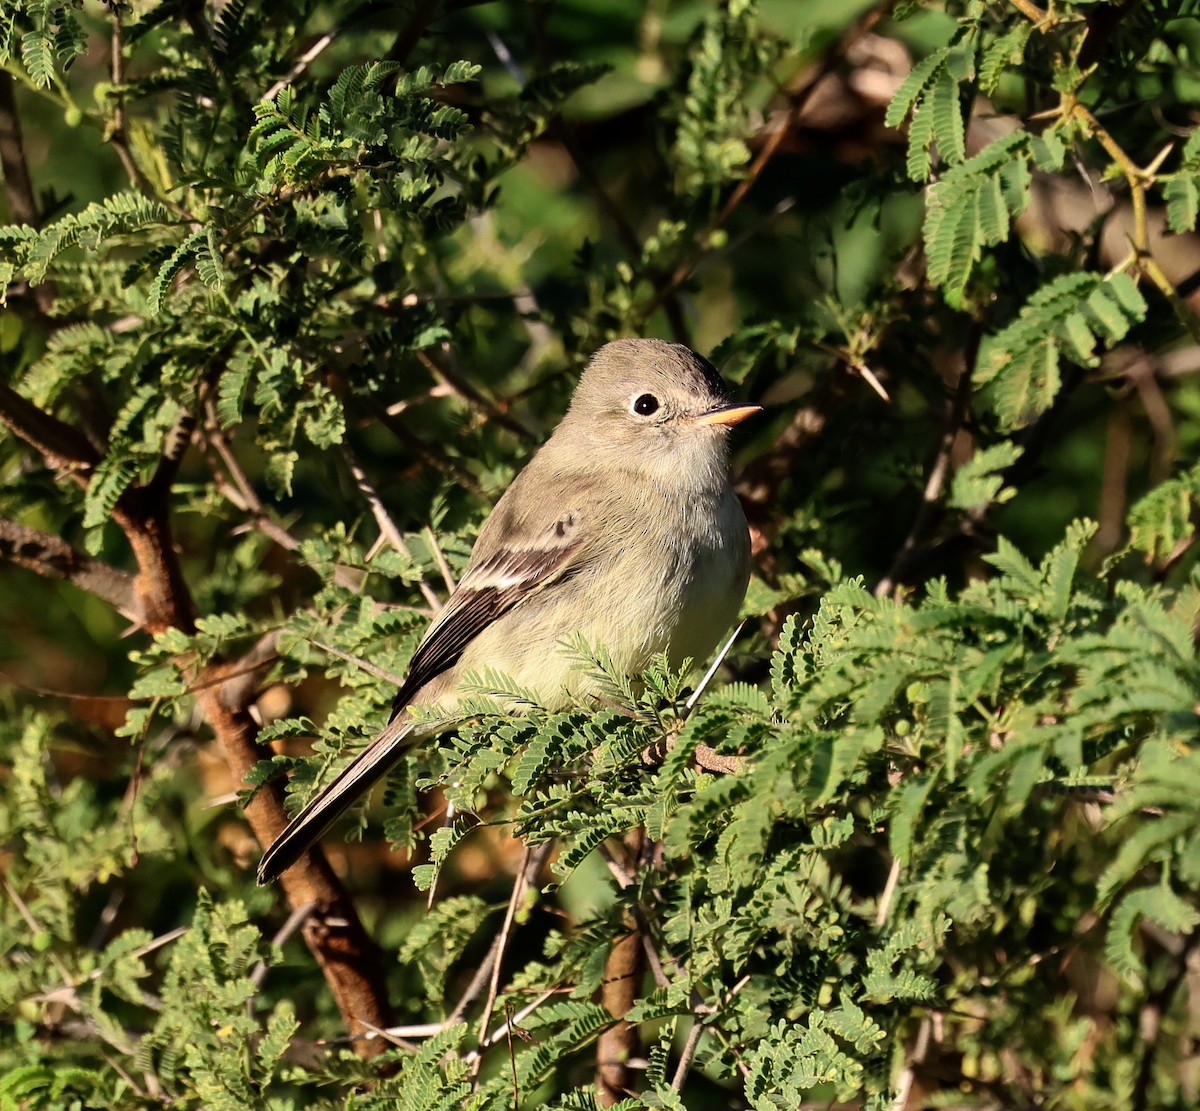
[488,590]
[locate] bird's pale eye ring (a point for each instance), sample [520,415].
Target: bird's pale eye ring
[645,405]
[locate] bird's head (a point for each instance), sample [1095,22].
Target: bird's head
[656,408]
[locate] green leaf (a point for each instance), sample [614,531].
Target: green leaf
[980,480]
[1182,192]
[971,207]
[1160,521]
[1067,318]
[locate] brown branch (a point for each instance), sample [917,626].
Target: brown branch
[349,959]
[464,390]
[625,881]
[386,525]
[611,211]
[1158,1002]
[18,186]
[53,558]
[238,490]
[64,448]
[1101,23]
[617,1044]
[116,134]
[920,1051]
[687,1054]
[1030,11]
[623,972]
[413,31]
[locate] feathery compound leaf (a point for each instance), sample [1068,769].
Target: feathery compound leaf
[1066,318]
[116,215]
[173,267]
[1161,520]
[1182,192]
[980,481]
[930,93]
[441,845]
[731,54]
[1001,52]
[971,207]
[209,267]
[37,52]
[1159,904]
[233,387]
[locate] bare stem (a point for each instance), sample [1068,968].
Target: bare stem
[1030,11]
[939,473]
[531,864]
[386,525]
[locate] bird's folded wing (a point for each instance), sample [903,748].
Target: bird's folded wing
[491,588]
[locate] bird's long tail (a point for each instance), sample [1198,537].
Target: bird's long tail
[330,804]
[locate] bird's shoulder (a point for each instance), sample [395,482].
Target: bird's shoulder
[546,508]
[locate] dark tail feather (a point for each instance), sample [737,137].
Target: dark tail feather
[371,766]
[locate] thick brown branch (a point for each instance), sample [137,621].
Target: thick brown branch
[63,447]
[55,559]
[349,958]
[622,977]
[623,973]
[414,30]
[159,596]
[18,186]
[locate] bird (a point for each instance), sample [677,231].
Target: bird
[623,529]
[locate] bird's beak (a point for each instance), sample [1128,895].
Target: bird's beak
[728,414]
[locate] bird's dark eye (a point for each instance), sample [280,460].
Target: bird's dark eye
[645,405]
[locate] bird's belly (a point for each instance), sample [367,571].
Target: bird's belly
[627,607]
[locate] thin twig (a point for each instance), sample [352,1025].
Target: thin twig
[502,1030]
[116,134]
[35,928]
[531,863]
[889,892]
[236,487]
[291,924]
[481,979]
[358,661]
[719,659]
[797,102]
[386,524]
[439,557]
[939,472]
[687,1054]
[469,394]
[917,1057]
[302,63]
